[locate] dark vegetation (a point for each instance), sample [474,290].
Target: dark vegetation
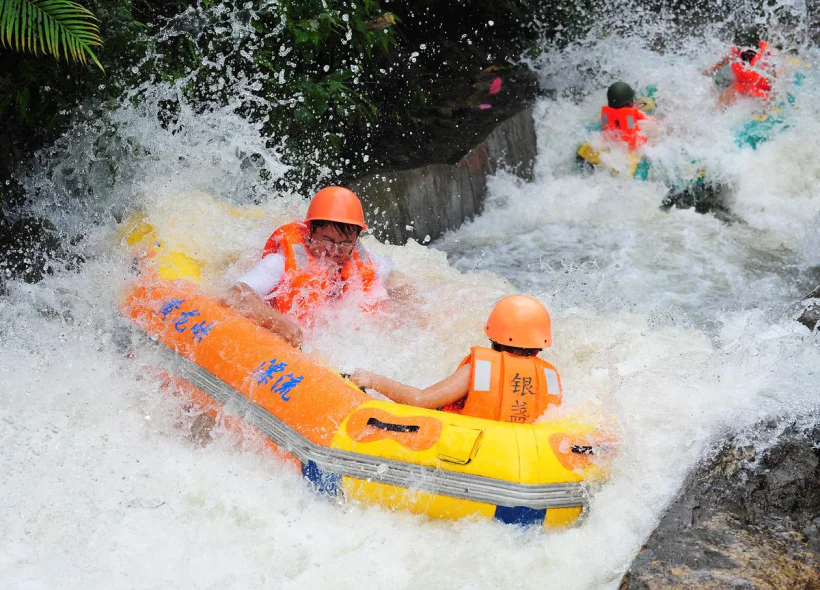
[339,87]
[332,82]
[39,95]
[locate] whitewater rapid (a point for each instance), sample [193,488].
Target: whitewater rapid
[676,327]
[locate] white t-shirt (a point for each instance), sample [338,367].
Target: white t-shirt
[265,275]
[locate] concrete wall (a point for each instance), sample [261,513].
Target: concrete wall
[432,199]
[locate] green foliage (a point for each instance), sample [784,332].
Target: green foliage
[38,96]
[307,67]
[324,79]
[45,27]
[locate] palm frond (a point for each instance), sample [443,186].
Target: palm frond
[50,27]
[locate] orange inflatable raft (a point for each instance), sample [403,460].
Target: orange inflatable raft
[346,443]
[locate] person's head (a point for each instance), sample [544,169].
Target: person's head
[748,55]
[619,95]
[520,325]
[335,220]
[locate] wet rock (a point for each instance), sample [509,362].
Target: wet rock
[429,200]
[815,294]
[454,120]
[426,179]
[31,248]
[704,198]
[742,521]
[810,316]
[811,309]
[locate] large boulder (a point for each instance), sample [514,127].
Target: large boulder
[745,519]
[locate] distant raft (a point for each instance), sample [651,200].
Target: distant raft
[689,186]
[615,157]
[346,443]
[775,115]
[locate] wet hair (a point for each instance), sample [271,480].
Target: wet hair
[516,350]
[346,229]
[748,55]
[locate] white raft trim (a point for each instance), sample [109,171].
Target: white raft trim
[376,469]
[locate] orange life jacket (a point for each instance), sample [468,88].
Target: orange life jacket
[748,77]
[622,125]
[309,284]
[507,387]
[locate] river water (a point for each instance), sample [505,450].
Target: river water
[675,327]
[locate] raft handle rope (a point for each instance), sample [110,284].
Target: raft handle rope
[393,427]
[464,486]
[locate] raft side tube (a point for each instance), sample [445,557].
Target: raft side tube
[437,463]
[374,467]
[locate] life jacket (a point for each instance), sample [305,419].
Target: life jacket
[507,387]
[309,284]
[748,77]
[622,125]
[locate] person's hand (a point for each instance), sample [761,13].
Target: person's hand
[247,302]
[362,378]
[289,331]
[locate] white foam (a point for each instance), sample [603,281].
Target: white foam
[673,325]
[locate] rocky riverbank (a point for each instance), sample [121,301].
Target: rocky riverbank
[745,519]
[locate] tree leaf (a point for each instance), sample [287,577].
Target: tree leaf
[43,26]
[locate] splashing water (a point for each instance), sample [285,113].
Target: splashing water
[675,325]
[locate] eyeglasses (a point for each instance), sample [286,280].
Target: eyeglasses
[331,245]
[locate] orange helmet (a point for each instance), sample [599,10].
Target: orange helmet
[521,321]
[336,203]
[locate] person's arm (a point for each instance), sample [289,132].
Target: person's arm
[726,59]
[447,391]
[399,287]
[395,284]
[247,302]
[649,127]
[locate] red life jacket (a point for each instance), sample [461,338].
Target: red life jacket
[750,79]
[309,284]
[507,387]
[622,125]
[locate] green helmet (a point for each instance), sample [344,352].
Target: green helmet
[748,36]
[619,95]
